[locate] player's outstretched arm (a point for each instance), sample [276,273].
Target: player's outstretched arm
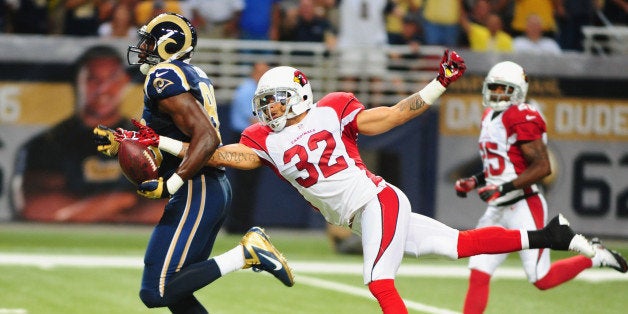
[381,119]
[237,156]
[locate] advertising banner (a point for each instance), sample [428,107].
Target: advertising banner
[49,167]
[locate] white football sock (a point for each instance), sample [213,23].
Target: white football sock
[525,241]
[231,260]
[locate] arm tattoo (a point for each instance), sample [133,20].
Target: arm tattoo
[417,104]
[233,157]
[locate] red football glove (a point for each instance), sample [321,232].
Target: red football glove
[465,185]
[451,68]
[490,193]
[122,134]
[145,134]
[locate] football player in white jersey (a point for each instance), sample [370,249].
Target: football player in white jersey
[313,146]
[513,148]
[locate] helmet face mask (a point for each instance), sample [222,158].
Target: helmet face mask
[166,37]
[144,51]
[266,105]
[281,86]
[506,84]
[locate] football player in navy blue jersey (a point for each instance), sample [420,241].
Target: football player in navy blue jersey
[179,103]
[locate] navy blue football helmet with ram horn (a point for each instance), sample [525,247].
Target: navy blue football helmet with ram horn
[168,36]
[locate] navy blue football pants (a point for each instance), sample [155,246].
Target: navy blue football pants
[176,261]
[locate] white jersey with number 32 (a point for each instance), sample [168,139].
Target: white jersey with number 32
[320,158]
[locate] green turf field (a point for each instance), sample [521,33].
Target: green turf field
[63,269]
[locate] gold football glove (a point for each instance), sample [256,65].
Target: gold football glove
[156,188]
[105,139]
[160,188]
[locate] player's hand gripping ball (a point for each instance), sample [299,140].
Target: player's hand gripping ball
[144,134]
[138,161]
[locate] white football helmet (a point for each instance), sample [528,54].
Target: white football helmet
[513,78]
[286,85]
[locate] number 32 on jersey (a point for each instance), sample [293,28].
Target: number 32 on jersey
[326,166]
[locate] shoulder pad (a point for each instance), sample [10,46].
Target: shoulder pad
[165,80]
[523,113]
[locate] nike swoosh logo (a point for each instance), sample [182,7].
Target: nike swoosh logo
[275,262]
[529,117]
[158,74]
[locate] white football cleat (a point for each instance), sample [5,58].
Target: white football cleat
[608,258]
[581,245]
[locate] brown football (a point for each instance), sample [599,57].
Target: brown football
[138,162]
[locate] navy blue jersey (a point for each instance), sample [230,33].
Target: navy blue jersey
[169,79]
[193,216]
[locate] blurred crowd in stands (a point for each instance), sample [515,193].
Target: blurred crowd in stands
[537,26]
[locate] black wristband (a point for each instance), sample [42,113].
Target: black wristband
[480,179]
[506,187]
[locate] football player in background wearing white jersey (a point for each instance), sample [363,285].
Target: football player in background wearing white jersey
[313,146]
[513,148]
[179,102]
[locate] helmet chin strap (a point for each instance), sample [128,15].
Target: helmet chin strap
[145,67]
[501,105]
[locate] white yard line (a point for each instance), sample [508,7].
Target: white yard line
[447,271]
[56,260]
[300,268]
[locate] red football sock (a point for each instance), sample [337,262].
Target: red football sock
[488,240]
[386,294]
[477,294]
[563,270]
